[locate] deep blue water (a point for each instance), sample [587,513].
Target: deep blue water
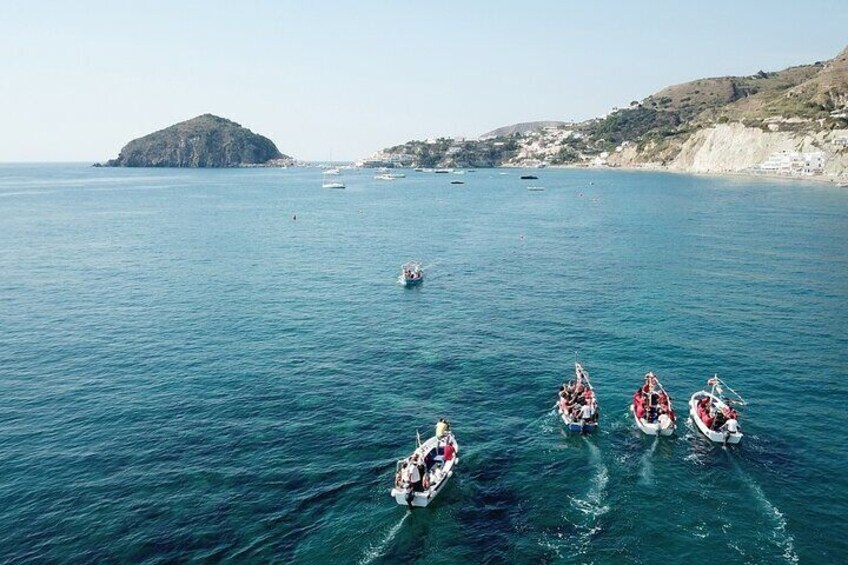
[188,373]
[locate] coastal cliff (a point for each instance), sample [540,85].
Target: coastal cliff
[204,141]
[789,122]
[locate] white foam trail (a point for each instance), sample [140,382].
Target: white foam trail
[646,472]
[593,505]
[597,492]
[376,550]
[782,538]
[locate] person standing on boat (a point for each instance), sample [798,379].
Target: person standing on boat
[586,412]
[441,428]
[414,479]
[449,452]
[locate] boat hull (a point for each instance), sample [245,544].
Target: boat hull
[413,282]
[652,428]
[577,426]
[715,436]
[421,499]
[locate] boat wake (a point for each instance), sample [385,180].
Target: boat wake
[779,535]
[646,470]
[375,550]
[591,507]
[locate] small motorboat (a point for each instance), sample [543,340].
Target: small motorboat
[457,182]
[714,412]
[411,273]
[390,176]
[529,177]
[420,477]
[332,183]
[652,408]
[577,404]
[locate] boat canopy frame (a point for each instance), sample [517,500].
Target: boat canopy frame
[717,390]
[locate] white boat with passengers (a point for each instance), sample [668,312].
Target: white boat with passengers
[577,404]
[421,476]
[411,273]
[714,412]
[652,409]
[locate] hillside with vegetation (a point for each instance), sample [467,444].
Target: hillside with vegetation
[204,141]
[715,124]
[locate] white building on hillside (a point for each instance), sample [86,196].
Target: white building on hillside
[794,163]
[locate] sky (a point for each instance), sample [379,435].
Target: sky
[340,80]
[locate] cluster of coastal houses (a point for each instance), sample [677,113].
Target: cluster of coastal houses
[542,147]
[793,163]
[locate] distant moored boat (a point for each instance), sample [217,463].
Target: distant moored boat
[332,183]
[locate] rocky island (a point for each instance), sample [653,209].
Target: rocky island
[204,141]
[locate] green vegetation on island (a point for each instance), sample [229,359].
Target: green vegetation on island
[204,141]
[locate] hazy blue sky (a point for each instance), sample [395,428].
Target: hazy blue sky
[80,79]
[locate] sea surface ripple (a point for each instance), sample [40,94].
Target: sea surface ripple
[190,373]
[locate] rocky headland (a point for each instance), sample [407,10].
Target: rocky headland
[792,122]
[204,141]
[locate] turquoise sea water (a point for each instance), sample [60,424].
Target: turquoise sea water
[188,373]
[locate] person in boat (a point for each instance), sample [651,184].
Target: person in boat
[400,476]
[586,412]
[730,427]
[709,420]
[576,412]
[640,410]
[416,474]
[720,420]
[441,428]
[413,480]
[449,452]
